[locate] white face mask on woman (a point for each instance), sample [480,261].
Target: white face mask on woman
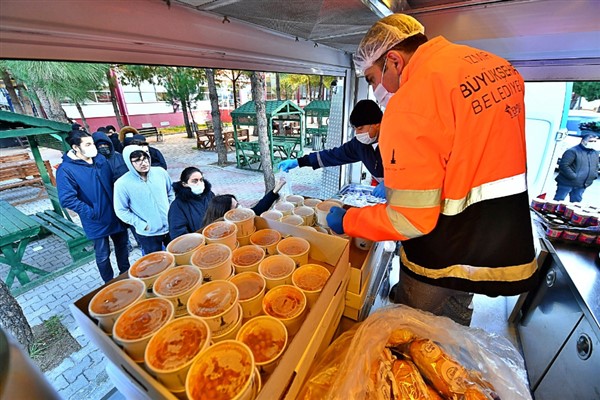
[198,188]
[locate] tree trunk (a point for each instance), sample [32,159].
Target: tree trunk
[12,318]
[194,124]
[321,88]
[82,115]
[277,86]
[216,117]
[186,119]
[113,98]
[26,101]
[51,107]
[234,84]
[257,79]
[12,92]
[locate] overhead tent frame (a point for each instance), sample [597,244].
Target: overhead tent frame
[320,110]
[281,147]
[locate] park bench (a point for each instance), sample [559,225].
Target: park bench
[62,225]
[18,170]
[151,131]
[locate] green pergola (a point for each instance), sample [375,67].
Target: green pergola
[318,109]
[18,229]
[39,132]
[283,145]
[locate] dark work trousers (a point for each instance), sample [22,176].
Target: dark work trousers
[150,244]
[102,249]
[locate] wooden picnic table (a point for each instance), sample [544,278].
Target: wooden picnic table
[16,231]
[227,137]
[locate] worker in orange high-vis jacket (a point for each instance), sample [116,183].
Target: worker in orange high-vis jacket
[453,147]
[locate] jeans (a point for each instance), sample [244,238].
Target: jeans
[150,244]
[454,304]
[575,193]
[102,250]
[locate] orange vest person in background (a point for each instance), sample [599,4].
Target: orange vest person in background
[453,148]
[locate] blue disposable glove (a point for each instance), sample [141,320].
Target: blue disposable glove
[286,165]
[379,190]
[335,219]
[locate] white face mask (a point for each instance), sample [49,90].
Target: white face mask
[381,94]
[197,189]
[365,138]
[89,152]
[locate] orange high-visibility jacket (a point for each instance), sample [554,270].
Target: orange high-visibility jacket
[453,148]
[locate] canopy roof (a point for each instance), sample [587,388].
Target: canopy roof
[46,132]
[318,108]
[246,113]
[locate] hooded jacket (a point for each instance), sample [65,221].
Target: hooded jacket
[143,203]
[187,210]
[87,189]
[578,167]
[350,152]
[115,160]
[158,160]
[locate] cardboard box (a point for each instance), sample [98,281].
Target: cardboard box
[358,305]
[313,337]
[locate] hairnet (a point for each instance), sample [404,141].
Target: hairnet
[383,35]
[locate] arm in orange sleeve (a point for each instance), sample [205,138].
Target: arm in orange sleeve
[414,150]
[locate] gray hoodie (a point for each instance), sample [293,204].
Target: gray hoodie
[143,203]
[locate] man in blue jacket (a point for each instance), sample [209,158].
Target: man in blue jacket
[85,185]
[578,168]
[365,119]
[142,199]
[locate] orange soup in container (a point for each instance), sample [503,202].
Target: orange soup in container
[247,258]
[224,371]
[286,303]
[277,270]
[223,232]
[214,260]
[111,301]
[134,328]
[150,266]
[310,278]
[216,302]
[183,247]
[296,248]
[243,218]
[177,284]
[251,287]
[173,349]
[267,239]
[267,338]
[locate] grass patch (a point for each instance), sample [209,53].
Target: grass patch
[52,343]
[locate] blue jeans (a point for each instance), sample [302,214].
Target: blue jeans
[102,250]
[575,193]
[150,244]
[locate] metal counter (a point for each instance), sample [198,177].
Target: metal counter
[559,328]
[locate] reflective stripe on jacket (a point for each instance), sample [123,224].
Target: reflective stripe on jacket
[453,147]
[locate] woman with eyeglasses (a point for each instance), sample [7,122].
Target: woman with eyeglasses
[192,196]
[219,205]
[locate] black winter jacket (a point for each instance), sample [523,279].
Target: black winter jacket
[578,167]
[186,212]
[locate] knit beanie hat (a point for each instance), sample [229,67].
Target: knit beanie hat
[365,112]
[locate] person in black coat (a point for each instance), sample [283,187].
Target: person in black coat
[219,205]
[577,170]
[114,158]
[192,196]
